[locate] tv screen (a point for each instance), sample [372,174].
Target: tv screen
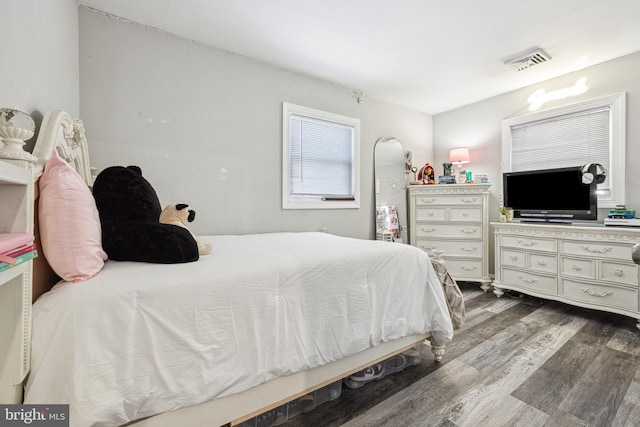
[552,195]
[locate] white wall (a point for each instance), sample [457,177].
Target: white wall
[39,69]
[205,127]
[478,125]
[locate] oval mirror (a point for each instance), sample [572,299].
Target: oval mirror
[390,198]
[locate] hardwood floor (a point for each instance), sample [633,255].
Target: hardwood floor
[517,361]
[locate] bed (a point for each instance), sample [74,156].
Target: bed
[262,320]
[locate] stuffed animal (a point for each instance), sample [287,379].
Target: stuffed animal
[129,210]
[179,214]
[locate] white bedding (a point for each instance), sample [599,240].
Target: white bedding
[139,339]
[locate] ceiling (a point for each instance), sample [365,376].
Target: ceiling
[427,55]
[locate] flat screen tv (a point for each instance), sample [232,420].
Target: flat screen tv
[550,195]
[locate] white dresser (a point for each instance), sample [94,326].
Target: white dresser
[588,266]
[453,219]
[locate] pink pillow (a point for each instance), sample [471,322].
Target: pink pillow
[69,223]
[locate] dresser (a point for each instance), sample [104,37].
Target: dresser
[452,220]
[587,266]
[16,216]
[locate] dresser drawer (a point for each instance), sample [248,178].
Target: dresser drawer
[431,214]
[537,244]
[464,268]
[595,249]
[465,214]
[527,280]
[471,231]
[471,248]
[543,263]
[512,258]
[430,200]
[599,294]
[619,272]
[578,267]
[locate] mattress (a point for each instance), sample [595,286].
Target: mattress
[140,339]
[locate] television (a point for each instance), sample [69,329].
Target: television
[550,195]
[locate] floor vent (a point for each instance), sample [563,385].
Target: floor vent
[528,60]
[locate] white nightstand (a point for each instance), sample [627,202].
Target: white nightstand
[16,215]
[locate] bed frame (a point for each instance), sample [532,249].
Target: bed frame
[66,135]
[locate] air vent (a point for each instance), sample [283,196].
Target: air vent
[527,60]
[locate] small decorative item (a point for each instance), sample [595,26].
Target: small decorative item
[16,127]
[509,214]
[503,214]
[469,177]
[482,178]
[446,169]
[428,174]
[408,162]
[458,157]
[462,177]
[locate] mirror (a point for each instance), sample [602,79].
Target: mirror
[390,197]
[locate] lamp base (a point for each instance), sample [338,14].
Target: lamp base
[460,178]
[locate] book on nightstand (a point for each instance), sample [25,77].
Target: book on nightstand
[19,260]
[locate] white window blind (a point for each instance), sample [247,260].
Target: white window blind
[321,158]
[573,139]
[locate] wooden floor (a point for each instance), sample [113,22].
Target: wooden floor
[517,361]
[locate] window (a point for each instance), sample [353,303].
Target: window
[321,157]
[588,132]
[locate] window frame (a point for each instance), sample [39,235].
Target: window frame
[293,202]
[617,141]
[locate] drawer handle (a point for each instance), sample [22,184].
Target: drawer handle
[430,213]
[468,230]
[576,268]
[596,250]
[527,242]
[427,200]
[468,200]
[542,263]
[596,294]
[514,257]
[428,248]
[465,214]
[618,272]
[467,249]
[468,268]
[428,230]
[524,279]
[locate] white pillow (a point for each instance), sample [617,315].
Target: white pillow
[69,222]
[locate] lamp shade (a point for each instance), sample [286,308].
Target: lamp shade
[459,155]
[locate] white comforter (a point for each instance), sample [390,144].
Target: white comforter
[139,339]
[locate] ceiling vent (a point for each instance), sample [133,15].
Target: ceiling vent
[527,60]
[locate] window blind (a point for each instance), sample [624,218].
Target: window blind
[568,140]
[321,158]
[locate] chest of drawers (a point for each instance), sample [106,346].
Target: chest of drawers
[452,219]
[588,266]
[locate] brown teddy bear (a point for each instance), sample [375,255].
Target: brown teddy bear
[179,214]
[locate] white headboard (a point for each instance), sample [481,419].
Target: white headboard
[61,132]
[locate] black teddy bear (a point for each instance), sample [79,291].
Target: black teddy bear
[129,211]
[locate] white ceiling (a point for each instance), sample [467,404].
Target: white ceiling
[427,55]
